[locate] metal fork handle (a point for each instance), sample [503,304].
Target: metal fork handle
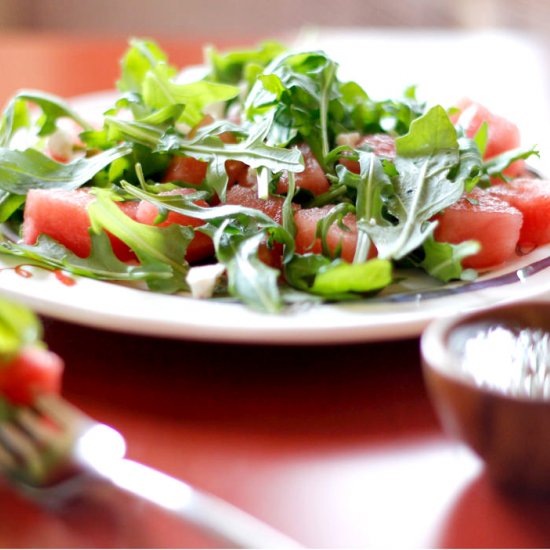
[232,526]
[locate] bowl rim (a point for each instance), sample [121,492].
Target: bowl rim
[436,355]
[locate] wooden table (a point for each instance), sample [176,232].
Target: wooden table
[336,446]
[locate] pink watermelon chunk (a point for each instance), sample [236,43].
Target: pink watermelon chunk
[272,207]
[486,218]
[503,135]
[532,198]
[63,216]
[201,246]
[312,178]
[382,145]
[248,196]
[193,171]
[306,224]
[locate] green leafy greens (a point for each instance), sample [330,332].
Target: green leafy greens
[270,104]
[425,158]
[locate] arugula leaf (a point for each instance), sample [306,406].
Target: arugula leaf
[237,233]
[288,211]
[183,204]
[336,279]
[251,151]
[482,137]
[210,148]
[367,116]
[9,203]
[341,277]
[15,117]
[31,169]
[160,92]
[496,165]
[167,115]
[425,157]
[154,246]
[444,260]
[133,131]
[370,184]
[241,218]
[296,90]
[303,94]
[231,67]
[470,168]
[53,108]
[249,279]
[429,135]
[301,270]
[335,215]
[150,163]
[19,327]
[146,72]
[141,57]
[101,264]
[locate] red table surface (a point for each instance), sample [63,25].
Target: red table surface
[336,446]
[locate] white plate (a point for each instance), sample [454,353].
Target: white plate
[121,308]
[115,307]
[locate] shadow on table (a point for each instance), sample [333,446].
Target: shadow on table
[485,516]
[317,391]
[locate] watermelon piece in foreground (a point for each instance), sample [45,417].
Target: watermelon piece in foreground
[32,372]
[485,218]
[63,216]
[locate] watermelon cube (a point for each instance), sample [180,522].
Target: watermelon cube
[201,246]
[382,145]
[63,216]
[532,198]
[483,217]
[312,178]
[503,135]
[306,224]
[248,197]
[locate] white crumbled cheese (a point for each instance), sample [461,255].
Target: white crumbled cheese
[351,139]
[183,128]
[60,144]
[263,183]
[215,110]
[234,113]
[202,279]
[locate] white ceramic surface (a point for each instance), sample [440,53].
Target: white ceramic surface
[115,307]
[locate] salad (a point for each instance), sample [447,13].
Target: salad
[263,179]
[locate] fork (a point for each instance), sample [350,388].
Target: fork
[49,451]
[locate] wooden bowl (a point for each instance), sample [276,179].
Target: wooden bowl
[488,375]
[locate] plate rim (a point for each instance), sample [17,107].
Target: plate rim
[400,323]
